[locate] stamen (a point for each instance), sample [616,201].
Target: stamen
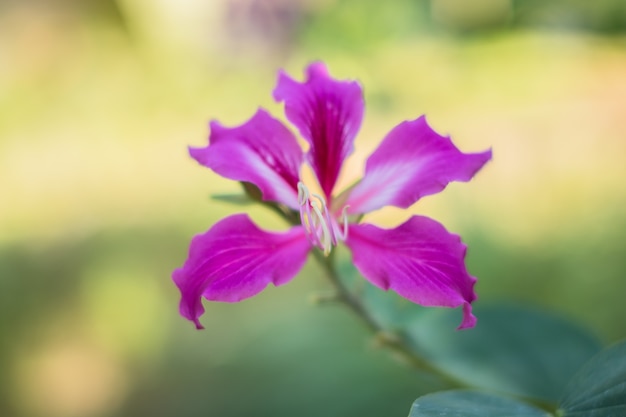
[344,219]
[303,193]
[321,229]
[324,236]
[306,219]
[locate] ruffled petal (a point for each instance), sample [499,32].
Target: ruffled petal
[328,114]
[235,260]
[419,260]
[261,151]
[411,162]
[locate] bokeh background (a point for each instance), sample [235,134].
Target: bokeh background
[98,198]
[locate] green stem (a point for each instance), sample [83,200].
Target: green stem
[397,343]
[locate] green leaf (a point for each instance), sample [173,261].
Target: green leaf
[599,388]
[471,404]
[251,195]
[512,350]
[238,199]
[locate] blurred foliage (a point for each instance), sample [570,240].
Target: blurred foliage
[364,23]
[596,390]
[99,200]
[467,403]
[603,16]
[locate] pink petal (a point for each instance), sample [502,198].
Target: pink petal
[235,260]
[328,114]
[419,260]
[261,151]
[411,162]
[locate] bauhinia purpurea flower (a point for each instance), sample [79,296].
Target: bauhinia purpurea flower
[420,259]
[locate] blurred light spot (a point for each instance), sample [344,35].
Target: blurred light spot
[69,379]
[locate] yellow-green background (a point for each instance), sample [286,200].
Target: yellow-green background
[99,199]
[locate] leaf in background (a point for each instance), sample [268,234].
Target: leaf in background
[599,388]
[251,195]
[512,350]
[237,199]
[471,404]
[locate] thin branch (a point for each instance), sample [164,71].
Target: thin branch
[396,342]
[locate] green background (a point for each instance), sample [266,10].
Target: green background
[99,199]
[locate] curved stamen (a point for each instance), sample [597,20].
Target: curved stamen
[327,219]
[343,234]
[321,229]
[303,193]
[323,235]
[306,219]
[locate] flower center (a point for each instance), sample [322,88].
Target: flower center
[321,228]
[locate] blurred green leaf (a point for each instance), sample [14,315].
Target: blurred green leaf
[514,350]
[251,195]
[599,388]
[237,199]
[471,404]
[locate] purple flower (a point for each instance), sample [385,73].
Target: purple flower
[419,259]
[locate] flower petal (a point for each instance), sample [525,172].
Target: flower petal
[411,162]
[235,260]
[419,260]
[328,114]
[261,151]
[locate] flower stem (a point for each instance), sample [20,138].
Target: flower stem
[394,342]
